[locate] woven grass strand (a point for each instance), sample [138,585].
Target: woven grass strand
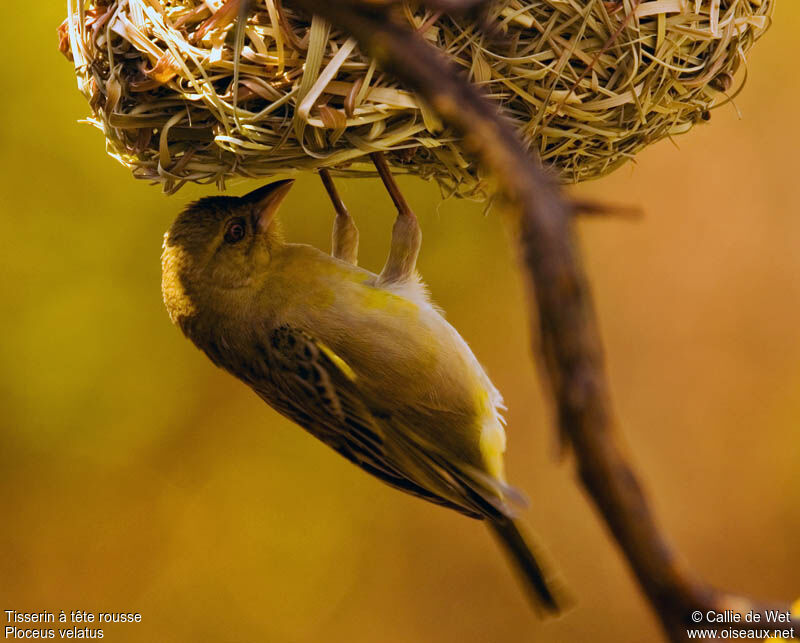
[589,83]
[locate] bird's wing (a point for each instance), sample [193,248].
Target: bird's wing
[311,385]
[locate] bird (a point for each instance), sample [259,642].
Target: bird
[364,362]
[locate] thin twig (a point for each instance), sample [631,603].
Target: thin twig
[567,332]
[592,208]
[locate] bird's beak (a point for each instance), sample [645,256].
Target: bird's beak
[266,200]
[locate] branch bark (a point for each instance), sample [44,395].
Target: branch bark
[567,334]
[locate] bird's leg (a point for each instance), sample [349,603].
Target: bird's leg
[406,235]
[345,233]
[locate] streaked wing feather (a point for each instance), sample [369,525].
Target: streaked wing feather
[306,382]
[478,490]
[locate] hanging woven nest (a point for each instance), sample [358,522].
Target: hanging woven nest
[589,83]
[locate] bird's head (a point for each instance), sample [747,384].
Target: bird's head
[218,249]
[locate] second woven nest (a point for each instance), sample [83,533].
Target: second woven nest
[588,82]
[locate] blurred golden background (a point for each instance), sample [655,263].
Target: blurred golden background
[137,477]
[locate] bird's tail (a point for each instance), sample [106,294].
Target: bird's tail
[547,597]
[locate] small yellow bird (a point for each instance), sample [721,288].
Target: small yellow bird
[364,362]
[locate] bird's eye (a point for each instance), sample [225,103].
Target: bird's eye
[235,231]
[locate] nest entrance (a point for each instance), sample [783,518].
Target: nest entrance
[589,84]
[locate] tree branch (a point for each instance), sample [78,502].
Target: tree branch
[567,334]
